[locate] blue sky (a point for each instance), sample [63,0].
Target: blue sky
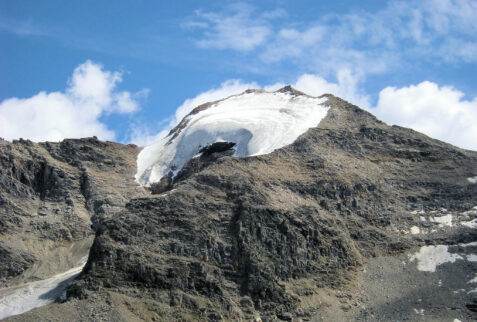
[128,70]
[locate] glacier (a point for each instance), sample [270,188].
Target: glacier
[259,122]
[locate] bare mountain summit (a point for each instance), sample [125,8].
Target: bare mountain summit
[351,220]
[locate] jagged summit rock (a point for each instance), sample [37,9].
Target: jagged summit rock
[288,89]
[352,220]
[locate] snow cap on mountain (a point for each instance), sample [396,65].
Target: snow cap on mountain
[258,122]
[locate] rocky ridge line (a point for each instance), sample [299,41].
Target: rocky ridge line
[285,235]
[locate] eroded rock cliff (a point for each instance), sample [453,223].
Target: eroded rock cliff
[286,235]
[51,194]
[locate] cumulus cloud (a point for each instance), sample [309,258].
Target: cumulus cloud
[347,87]
[238,28]
[143,135]
[440,112]
[91,93]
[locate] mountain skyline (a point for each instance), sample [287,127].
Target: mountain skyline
[354,220]
[126,72]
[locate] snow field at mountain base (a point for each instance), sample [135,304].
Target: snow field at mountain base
[23,298]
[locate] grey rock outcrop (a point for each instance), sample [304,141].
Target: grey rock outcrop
[50,196]
[277,236]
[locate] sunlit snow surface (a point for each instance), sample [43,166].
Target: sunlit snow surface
[23,298]
[429,257]
[258,122]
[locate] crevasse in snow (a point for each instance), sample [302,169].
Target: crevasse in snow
[258,122]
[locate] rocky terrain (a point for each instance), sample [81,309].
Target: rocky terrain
[356,220]
[51,196]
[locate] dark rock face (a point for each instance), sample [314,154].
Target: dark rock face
[216,148]
[163,185]
[50,194]
[13,264]
[290,90]
[208,156]
[240,238]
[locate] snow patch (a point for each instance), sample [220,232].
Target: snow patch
[23,298]
[258,122]
[415,230]
[443,221]
[429,257]
[471,224]
[472,180]
[474,280]
[471,258]
[472,244]
[419,311]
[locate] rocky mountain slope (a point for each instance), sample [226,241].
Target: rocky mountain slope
[51,196]
[355,220]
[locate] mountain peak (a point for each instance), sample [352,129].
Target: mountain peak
[343,199]
[258,122]
[290,90]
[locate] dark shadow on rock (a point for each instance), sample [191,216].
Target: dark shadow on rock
[58,291]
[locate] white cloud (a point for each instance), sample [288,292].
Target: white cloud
[440,112]
[238,28]
[346,88]
[292,43]
[91,93]
[22,27]
[447,15]
[375,42]
[143,135]
[364,42]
